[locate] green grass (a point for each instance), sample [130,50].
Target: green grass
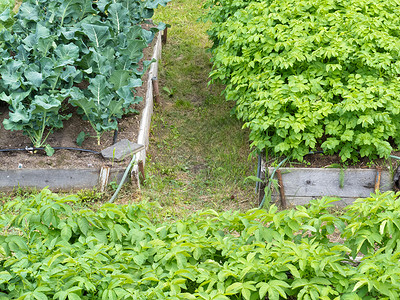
[199,154]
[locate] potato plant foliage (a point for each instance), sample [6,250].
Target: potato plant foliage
[56,48]
[311,74]
[52,249]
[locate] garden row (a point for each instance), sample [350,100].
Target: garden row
[51,250]
[311,75]
[62,54]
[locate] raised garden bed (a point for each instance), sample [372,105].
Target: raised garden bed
[73,169]
[311,77]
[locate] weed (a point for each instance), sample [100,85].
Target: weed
[112,186]
[89,196]
[183,104]
[169,91]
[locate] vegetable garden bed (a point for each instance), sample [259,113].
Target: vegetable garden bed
[313,76]
[67,169]
[80,170]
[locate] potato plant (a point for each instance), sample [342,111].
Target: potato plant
[51,248]
[311,74]
[57,47]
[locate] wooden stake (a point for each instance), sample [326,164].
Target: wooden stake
[262,185]
[281,189]
[396,179]
[141,169]
[378,178]
[164,36]
[103,178]
[156,92]
[135,177]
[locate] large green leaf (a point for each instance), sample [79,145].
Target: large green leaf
[101,63]
[126,94]
[47,66]
[98,34]
[6,20]
[116,108]
[119,17]
[73,10]
[67,54]
[86,8]
[87,106]
[5,277]
[120,78]
[14,98]
[45,103]
[33,77]
[5,15]
[77,98]
[17,118]
[11,74]
[22,53]
[71,74]
[134,50]
[103,4]
[68,32]
[28,12]
[99,88]
[135,44]
[40,39]
[45,44]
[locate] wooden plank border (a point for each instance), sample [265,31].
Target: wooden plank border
[300,185]
[56,179]
[144,130]
[74,179]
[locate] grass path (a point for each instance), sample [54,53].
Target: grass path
[199,155]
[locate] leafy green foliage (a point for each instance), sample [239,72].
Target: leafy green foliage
[55,46]
[309,74]
[51,250]
[375,223]
[5,7]
[4,4]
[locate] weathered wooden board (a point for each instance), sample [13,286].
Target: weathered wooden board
[144,130]
[303,184]
[56,179]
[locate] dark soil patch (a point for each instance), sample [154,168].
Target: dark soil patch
[65,137]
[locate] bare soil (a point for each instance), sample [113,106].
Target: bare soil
[66,137]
